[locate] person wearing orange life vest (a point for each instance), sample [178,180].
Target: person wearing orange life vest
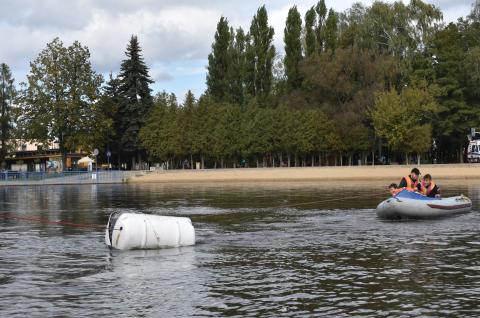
[394,189]
[428,187]
[411,181]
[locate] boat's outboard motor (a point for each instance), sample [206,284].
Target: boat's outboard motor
[146,231]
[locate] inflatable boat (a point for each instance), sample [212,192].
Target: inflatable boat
[412,205]
[127,231]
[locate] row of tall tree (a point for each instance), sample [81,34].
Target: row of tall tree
[386,80]
[349,65]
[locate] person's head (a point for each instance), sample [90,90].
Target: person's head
[427,179]
[392,188]
[414,174]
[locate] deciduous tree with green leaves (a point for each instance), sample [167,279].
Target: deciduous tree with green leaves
[260,54]
[59,100]
[293,48]
[403,119]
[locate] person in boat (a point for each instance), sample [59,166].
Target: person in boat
[428,187]
[411,181]
[394,190]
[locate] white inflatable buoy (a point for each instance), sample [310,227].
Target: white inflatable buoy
[127,231]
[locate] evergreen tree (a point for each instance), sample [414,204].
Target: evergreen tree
[7,94]
[261,54]
[219,62]
[310,37]
[293,48]
[136,102]
[189,108]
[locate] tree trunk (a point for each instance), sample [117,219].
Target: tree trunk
[273,161]
[288,160]
[460,153]
[350,160]
[258,164]
[222,163]
[335,160]
[406,159]
[281,159]
[202,160]
[341,160]
[418,159]
[191,162]
[296,160]
[319,159]
[313,161]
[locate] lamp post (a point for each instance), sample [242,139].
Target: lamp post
[95,152]
[109,154]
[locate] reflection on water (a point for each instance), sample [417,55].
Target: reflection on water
[257,255]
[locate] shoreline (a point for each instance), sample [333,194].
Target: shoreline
[391,173]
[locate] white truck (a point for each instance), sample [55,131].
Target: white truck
[473,150]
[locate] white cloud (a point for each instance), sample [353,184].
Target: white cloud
[175,35]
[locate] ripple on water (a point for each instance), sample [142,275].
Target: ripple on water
[335,259]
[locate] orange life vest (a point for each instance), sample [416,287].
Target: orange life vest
[427,190]
[411,184]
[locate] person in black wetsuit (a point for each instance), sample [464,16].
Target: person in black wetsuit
[428,187]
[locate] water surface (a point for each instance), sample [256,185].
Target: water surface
[264,249]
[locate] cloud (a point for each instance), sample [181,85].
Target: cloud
[175,35]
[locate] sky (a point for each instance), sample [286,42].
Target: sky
[175,35]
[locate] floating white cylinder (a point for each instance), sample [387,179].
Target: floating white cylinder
[126,231]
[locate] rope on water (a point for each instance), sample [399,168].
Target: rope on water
[12,216]
[325,200]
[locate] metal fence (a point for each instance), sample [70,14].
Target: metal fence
[67,177]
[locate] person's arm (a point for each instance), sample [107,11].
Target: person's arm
[436,191]
[403,183]
[420,188]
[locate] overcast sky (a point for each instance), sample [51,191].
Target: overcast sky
[175,35]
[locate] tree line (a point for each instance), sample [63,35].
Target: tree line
[373,83]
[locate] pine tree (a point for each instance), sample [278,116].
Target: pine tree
[310,38]
[136,101]
[189,106]
[219,62]
[293,48]
[261,53]
[7,94]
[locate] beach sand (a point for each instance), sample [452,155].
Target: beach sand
[391,173]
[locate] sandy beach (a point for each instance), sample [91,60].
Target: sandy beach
[355,173]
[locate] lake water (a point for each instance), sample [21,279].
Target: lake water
[263,250]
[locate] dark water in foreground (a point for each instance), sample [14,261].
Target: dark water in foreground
[253,258]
